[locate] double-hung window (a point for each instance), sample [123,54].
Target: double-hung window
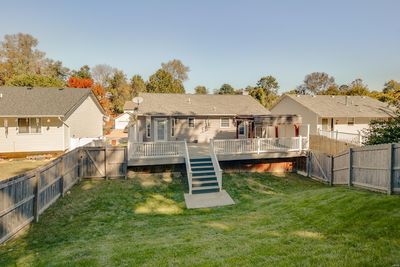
[224,123]
[148,127]
[191,122]
[173,125]
[350,121]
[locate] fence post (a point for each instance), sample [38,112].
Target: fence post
[80,164]
[331,170]
[126,163]
[61,173]
[105,162]
[309,164]
[350,166]
[37,193]
[390,169]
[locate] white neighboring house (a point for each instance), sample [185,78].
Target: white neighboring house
[328,113]
[122,121]
[48,119]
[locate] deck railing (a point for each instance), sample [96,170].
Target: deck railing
[215,162]
[156,149]
[353,138]
[260,145]
[188,166]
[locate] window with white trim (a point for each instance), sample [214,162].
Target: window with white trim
[350,121]
[173,125]
[224,123]
[191,122]
[148,127]
[29,125]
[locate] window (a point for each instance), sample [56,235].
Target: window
[148,127]
[350,121]
[241,128]
[224,123]
[173,125]
[191,122]
[29,125]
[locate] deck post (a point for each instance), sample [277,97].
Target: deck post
[300,144]
[258,145]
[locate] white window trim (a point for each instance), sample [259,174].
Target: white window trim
[194,122]
[173,127]
[220,122]
[148,130]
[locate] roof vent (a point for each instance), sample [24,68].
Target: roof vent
[298,95]
[29,88]
[189,100]
[60,89]
[347,100]
[314,96]
[332,96]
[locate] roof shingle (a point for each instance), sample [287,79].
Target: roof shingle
[189,104]
[335,106]
[37,101]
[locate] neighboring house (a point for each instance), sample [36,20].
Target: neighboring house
[121,121]
[200,118]
[47,119]
[349,114]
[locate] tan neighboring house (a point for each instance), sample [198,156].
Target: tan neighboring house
[47,119]
[348,114]
[200,118]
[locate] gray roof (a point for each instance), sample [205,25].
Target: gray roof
[189,104]
[37,101]
[335,106]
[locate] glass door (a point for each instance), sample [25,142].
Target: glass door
[160,130]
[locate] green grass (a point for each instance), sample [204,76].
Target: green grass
[10,168]
[277,221]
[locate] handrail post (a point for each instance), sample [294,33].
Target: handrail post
[258,145]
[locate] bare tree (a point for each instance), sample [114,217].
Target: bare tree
[102,73]
[176,68]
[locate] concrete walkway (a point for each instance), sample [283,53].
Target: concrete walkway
[208,200]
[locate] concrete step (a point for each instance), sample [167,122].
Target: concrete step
[205,189]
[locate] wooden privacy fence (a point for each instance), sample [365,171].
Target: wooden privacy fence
[24,197]
[371,167]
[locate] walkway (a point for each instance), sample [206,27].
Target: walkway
[208,200]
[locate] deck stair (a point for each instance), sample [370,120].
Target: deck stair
[204,179]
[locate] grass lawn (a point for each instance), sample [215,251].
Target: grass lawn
[277,221]
[10,168]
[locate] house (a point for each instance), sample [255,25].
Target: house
[347,114]
[47,119]
[200,118]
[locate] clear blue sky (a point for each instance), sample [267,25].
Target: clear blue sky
[233,42]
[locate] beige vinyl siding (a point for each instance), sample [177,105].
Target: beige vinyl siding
[51,137]
[86,120]
[199,132]
[289,106]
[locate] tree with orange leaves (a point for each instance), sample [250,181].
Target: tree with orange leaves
[100,93]
[77,82]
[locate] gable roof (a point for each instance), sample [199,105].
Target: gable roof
[190,104]
[335,106]
[39,102]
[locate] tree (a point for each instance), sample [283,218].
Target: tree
[315,82]
[34,80]
[269,85]
[100,93]
[19,56]
[200,90]
[225,89]
[383,132]
[77,82]
[357,87]
[137,84]
[102,73]
[258,93]
[176,68]
[391,92]
[120,91]
[83,72]
[163,82]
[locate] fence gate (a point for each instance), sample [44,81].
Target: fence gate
[320,166]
